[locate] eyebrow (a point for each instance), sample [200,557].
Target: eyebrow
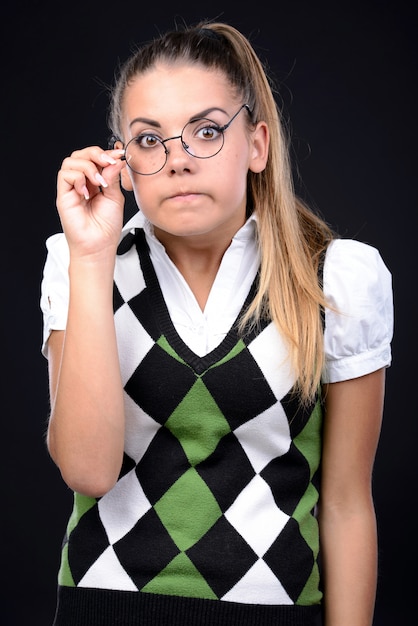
[150,122]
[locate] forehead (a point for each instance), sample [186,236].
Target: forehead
[167,91]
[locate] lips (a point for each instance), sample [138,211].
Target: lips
[184,193]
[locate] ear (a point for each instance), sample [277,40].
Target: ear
[260,148]
[125,177]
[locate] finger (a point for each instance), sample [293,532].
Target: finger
[97,155]
[73,180]
[111,157]
[85,168]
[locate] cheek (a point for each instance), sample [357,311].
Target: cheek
[232,170]
[144,184]
[142,188]
[238,156]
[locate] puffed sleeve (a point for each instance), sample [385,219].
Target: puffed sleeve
[359,332]
[54,287]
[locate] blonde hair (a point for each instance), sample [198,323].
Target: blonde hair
[291,237]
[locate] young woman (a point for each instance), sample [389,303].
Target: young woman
[217,364]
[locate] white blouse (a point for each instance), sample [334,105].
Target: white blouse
[356,282]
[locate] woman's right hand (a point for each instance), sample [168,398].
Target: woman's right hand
[90,201]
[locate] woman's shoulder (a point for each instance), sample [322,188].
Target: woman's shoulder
[354,265]
[359,320]
[346,252]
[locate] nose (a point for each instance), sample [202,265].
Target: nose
[177,156]
[183,143]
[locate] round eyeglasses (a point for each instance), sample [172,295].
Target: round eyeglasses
[202,138]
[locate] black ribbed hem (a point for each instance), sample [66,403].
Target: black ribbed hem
[95,607]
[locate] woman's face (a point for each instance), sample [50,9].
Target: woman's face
[191,197]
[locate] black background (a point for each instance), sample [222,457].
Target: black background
[347,76]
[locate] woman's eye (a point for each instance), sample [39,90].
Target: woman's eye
[147,141]
[208,132]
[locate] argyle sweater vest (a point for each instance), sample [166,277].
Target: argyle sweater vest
[212,520]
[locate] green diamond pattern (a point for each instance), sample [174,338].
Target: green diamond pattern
[163,343]
[198,423]
[188,509]
[82,504]
[64,575]
[175,580]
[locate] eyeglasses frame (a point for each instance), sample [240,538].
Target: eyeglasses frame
[220,129]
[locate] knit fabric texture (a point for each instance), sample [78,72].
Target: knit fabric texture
[217,494]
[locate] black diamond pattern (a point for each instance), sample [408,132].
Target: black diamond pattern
[230,462]
[127,465]
[159,383]
[146,549]
[87,542]
[118,301]
[293,573]
[288,477]
[144,313]
[155,474]
[240,373]
[222,556]
[297,414]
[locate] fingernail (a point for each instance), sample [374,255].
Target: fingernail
[100,179]
[108,159]
[85,192]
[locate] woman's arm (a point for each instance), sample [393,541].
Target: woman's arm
[86,426]
[347,522]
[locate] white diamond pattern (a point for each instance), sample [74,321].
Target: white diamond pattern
[255,509]
[108,573]
[270,350]
[140,429]
[129,279]
[118,522]
[258,586]
[133,345]
[265,437]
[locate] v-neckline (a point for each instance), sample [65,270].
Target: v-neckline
[198,363]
